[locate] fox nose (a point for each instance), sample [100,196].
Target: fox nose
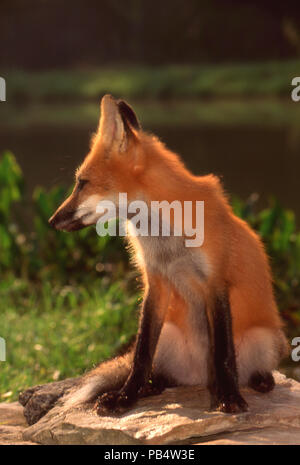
[60,217]
[52,221]
[63,220]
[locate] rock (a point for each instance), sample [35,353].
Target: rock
[39,399]
[12,424]
[180,415]
[263,436]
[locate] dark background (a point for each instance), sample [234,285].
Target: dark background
[37,34]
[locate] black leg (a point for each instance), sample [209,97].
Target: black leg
[223,377]
[150,327]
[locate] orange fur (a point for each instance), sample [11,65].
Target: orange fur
[235,252]
[235,257]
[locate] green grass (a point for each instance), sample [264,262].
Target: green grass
[50,337]
[136,82]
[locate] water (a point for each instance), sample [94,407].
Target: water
[249,158]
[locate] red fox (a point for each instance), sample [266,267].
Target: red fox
[209,316]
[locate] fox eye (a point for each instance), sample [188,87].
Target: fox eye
[81,183]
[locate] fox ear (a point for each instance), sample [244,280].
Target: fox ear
[117,122]
[128,115]
[111,127]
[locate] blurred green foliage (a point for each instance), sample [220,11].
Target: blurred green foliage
[255,79]
[38,253]
[268,113]
[67,301]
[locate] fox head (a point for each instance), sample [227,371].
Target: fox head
[112,166]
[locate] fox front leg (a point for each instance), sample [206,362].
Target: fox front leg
[223,376]
[151,321]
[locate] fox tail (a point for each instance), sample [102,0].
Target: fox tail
[108,376]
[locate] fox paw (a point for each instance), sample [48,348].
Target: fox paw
[232,403]
[262,382]
[150,390]
[113,402]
